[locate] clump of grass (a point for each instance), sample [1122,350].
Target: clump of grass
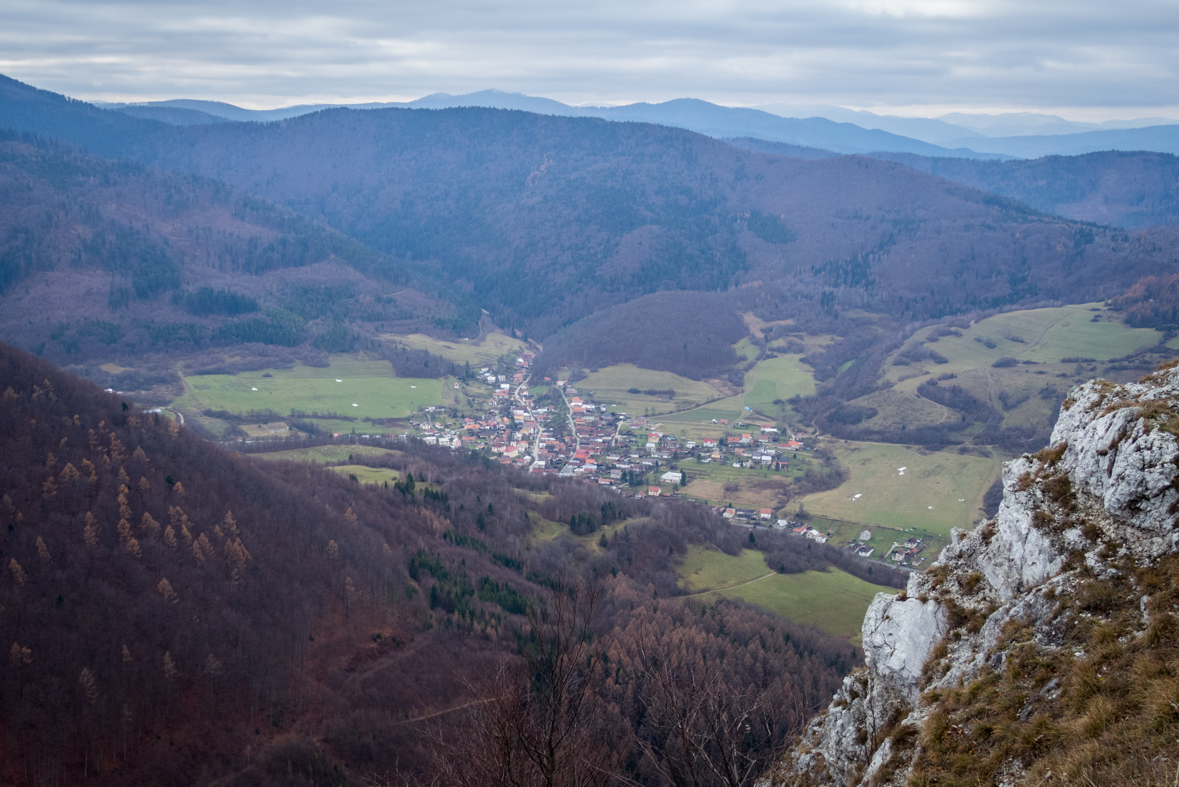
[1108,716]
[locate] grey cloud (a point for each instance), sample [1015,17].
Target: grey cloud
[1039,53]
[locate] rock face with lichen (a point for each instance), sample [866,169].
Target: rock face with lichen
[971,671]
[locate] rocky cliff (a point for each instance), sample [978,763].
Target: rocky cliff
[1040,648]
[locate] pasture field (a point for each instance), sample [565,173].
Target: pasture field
[757,487]
[610,386]
[770,379]
[481,353]
[368,475]
[777,378]
[1043,335]
[710,569]
[321,454]
[350,386]
[548,530]
[938,491]
[832,601]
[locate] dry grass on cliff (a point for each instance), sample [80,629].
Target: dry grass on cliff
[1102,709]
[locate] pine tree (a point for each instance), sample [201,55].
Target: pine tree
[170,537]
[42,550]
[165,588]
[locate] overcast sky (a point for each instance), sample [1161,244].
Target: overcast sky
[1085,59]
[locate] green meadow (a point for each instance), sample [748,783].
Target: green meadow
[321,454]
[350,386]
[938,491]
[368,475]
[481,353]
[770,380]
[832,601]
[611,386]
[1045,336]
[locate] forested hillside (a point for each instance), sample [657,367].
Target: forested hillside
[1132,190]
[544,220]
[112,256]
[175,614]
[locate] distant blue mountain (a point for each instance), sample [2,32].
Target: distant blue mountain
[687,113]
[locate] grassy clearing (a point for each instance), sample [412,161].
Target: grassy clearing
[771,379]
[708,569]
[777,378]
[833,601]
[939,490]
[368,475]
[759,488]
[327,453]
[547,530]
[1041,335]
[611,386]
[482,353]
[366,388]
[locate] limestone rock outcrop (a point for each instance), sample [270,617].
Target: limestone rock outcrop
[1101,497]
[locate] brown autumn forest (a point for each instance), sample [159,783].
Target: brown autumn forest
[175,613]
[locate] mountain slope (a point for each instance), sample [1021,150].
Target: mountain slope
[102,256]
[591,213]
[176,614]
[1161,139]
[1040,648]
[1131,190]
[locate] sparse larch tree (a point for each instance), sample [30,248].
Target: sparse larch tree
[149,525]
[165,588]
[18,574]
[89,685]
[90,532]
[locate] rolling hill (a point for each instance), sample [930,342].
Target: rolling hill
[110,256]
[591,214]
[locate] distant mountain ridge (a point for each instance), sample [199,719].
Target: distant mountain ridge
[592,214]
[1134,190]
[692,114]
[960,135]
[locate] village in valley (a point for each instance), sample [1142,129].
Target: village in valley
[551,427]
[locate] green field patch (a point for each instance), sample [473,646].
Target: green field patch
[938,491]
[832,601]
[327,453]
[368,475]
[777,379]
[710,569]
[747,349]
[481,353]
[612,387]
[350,386]
[1041,335]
